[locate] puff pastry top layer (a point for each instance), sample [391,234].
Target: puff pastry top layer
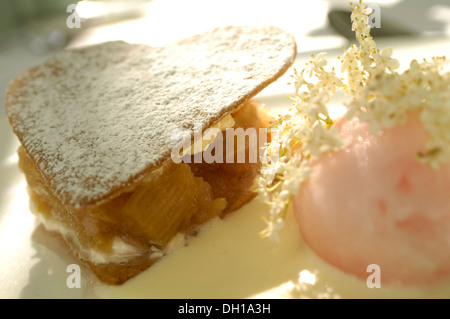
[97,119]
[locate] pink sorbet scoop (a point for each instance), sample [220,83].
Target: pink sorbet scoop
[375,203]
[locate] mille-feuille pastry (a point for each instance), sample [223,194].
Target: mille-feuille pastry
[96,130]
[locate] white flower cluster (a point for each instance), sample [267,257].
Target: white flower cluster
[379,95]
[387,100]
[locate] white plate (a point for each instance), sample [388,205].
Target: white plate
[227,259]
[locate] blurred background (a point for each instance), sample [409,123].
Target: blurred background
[32,30]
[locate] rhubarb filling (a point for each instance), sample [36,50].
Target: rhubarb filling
[136,227]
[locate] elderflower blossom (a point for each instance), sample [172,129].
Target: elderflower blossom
[360,21]
[378,95]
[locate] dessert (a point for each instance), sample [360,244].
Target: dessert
[393,209]
[96,126]
[368,188]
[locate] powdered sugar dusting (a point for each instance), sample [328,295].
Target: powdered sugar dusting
[97,118]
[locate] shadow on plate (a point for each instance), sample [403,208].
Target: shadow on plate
[48,276]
